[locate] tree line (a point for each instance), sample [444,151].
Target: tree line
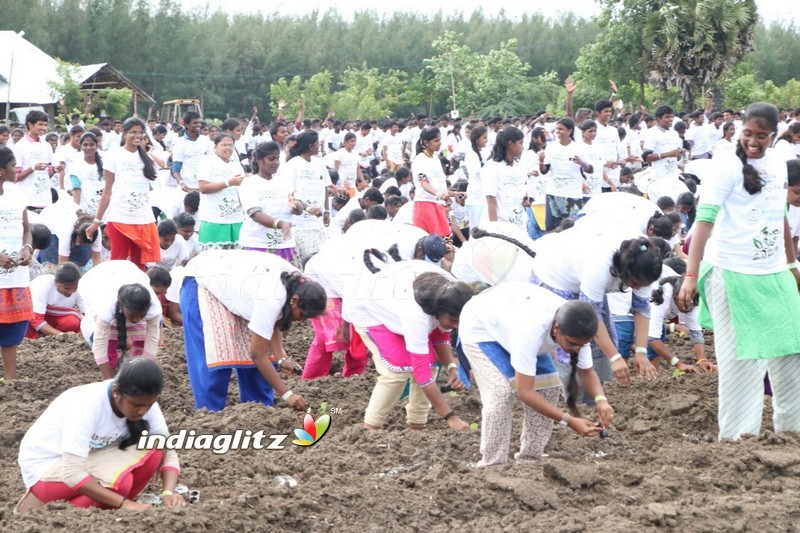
[237,61]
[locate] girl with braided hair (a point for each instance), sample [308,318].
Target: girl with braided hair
[123,314]
[244,300]
[745,271]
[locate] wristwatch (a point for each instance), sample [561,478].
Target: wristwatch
[564,423]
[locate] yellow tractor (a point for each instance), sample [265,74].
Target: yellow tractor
[173,110]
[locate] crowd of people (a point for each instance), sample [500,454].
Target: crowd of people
[535,257]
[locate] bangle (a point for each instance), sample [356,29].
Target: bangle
[614,358]
[124,499]
[600,398]
[227,182]
[702,359]
[448,416]
[640,349]
[451,366]
[326,211]
[166,493]
[286,395]
[277,223]
[28,246]
[674,361]
[690,275]
[672,327]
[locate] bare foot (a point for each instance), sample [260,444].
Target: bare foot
[27,503]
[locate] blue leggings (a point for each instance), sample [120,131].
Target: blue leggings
[210,387]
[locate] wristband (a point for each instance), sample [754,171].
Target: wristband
[326,211]
[659,156]
[792,266]
[97,221]
[448,416]
[614,358]
[28,246]
[641,349]
[451,366]
[564,422]
[166,493]
[674,361]
[286,395]
[672,327]
[600,398]
[276,223]
[227,183]
[690,275]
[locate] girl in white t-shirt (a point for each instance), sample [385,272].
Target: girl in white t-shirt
[125,204]
[269,204]
[82,449]
[86,176]
[726,145]
[749,265]
[219,177]
[57,306]
[473,165]
[586,263]
[309,181]
[346,161]
[597,179]
[507,333]
[234,294]
[505,181]
[15,255]
[431,185]
[121,308]
[566,163]
[404,314]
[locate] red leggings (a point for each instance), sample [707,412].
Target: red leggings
[63,323]
[122,248]
[129,485]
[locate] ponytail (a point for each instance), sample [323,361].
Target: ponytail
[149,169]
[572,385]
[368,253]
[752,182]
[135,298]
[394,253]
[478,233]
[636,258]
[122,332]
[657,296]
[311,297]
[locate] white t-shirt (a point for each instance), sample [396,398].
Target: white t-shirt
[35,188]
[66,154]
[492,260]
[579,260]
[660,313]
[78,421]
[473,167]
[99,289]
[609,145]
[794,220]
[130,195]
[85,176]
[64,225]
[248,283]
[405,215]
[348,165]
[660,141]
[387,298]
[189,153]
[509,185]
[618,208]
[394,147]
[519,317]
[169,200]
[272,197]
[785,150]
[700,138]
[565,178]
[430,167]
[595,178]
[175,255]
[173,293]
[724,147]
[221,207]
[309,181]
[748,232]
[44,292]
[11,233]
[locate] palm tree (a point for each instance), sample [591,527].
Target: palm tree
[690,43]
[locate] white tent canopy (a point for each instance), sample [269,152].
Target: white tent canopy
[30,70]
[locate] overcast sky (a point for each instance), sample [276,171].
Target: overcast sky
[788,10]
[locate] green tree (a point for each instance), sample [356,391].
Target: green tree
[691,43]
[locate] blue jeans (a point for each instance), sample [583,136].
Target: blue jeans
[624,327]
